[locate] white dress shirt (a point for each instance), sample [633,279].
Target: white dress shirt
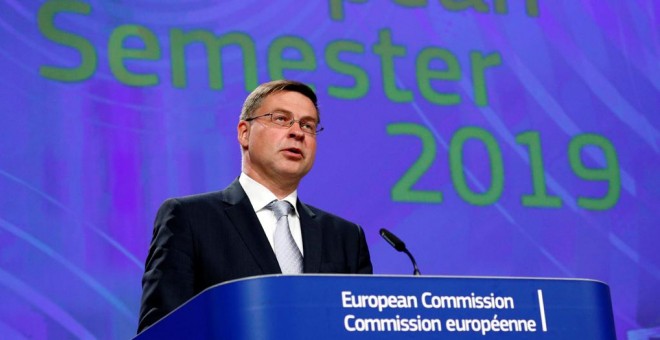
[260,197]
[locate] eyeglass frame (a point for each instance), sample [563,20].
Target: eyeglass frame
[318,130]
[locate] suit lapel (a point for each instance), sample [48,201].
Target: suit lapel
[312,239]
[242,216]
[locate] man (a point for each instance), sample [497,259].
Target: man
[202,240]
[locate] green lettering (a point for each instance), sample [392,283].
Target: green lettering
[460,5]
[277,64]
[88,57]
[531,7]
[402,190]
[610,172]
[411,3]
[118,54]
[387,51]
[540,197]
[479,64]
[425,74]
[361,79]
[337,8]
[179,40]
[457,166]
[502,6]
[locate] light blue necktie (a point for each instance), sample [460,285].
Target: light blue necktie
[287,253]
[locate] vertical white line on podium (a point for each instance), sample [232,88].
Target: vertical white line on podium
[542,308]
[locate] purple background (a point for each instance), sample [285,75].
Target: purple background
[85,165]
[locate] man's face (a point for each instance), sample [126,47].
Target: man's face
[277,154]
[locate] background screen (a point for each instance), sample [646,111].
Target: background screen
[496,138]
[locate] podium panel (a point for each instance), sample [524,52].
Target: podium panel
[393,307]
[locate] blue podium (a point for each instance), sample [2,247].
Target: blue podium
[393,307]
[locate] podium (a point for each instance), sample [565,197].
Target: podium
[392,307]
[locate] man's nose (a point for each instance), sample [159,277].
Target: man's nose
[296,130]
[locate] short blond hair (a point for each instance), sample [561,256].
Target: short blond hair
[256,97]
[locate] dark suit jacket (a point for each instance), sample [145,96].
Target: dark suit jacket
[202,240]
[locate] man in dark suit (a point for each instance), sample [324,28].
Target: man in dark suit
[206,239]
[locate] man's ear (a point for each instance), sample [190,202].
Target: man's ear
[243,130]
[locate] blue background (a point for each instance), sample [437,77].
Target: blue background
[84,165]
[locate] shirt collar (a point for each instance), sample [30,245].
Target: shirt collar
[260,196]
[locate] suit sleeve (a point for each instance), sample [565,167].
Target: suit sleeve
[364,259]
[168,279]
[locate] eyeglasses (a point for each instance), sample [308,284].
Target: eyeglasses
[285,120]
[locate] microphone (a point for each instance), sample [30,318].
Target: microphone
[399,246]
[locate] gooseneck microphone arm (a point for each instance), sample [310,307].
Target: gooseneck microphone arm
[399,246]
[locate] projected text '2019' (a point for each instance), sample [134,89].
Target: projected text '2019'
[609,172]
